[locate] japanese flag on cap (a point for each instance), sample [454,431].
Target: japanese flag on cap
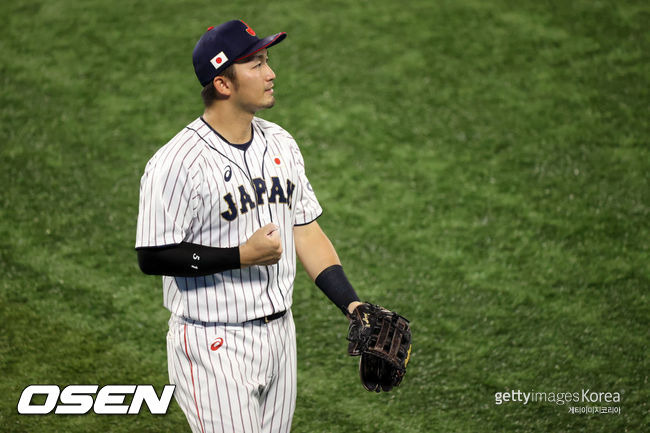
[219,60]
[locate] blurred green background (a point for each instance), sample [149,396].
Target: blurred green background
[483,166]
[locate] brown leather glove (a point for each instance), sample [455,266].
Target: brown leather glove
[383,340]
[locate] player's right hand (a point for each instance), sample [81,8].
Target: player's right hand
[264,247]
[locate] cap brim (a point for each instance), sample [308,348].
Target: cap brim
[267,42]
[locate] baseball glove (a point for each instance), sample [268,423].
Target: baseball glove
[383,340]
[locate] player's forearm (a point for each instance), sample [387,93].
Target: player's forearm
[314,249]
[187,260]
[334,283]
[321,262]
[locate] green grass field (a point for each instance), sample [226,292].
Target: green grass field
[483,166]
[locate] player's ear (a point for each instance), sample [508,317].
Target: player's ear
[222,85]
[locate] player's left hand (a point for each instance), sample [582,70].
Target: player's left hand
[352,306]
[383,340]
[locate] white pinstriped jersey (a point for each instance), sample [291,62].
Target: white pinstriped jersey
[200,189]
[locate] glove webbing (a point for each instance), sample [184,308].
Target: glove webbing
[391,348]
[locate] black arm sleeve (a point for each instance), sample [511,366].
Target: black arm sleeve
[333,282]
[187,260]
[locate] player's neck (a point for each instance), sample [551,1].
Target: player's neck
[234,126]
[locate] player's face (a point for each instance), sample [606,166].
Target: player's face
[254,89]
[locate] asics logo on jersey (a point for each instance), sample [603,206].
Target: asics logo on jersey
[228,174]
[217,344]
[247,201]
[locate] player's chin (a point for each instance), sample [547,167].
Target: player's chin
[270,102]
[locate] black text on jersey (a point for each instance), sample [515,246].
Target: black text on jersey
[276,194]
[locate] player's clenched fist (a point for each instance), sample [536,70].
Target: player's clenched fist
[264,247]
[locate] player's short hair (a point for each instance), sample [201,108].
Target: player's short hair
[209,94]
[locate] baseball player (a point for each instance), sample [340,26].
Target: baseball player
[225,210]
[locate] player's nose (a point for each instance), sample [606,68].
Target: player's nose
[270,75]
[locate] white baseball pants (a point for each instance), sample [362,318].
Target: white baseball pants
[234,377]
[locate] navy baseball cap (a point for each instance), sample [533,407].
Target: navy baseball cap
[221,46]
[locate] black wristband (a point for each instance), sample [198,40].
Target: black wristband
[333,282]
[187,260]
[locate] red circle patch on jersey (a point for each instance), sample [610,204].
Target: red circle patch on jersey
[217,344]
[277,161]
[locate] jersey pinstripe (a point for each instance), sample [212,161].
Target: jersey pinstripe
[200,189]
